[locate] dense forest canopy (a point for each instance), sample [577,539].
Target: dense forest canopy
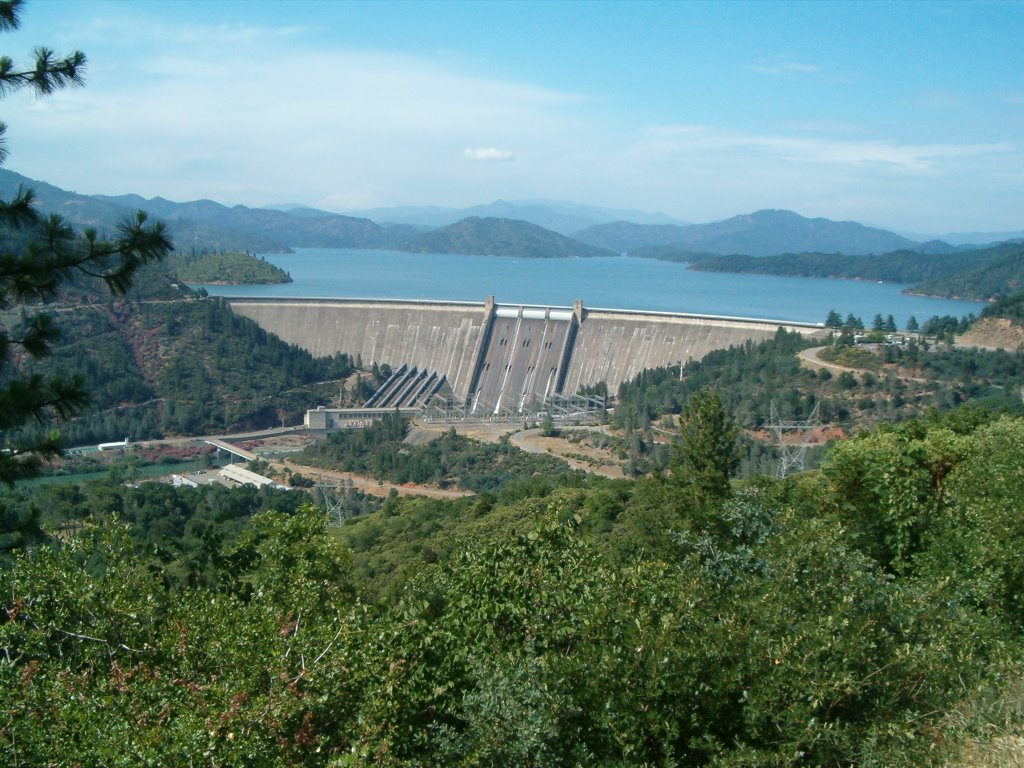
[838,617]
[184,366]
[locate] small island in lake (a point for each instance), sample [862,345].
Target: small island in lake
[226,268]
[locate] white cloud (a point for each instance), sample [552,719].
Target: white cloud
[260,123]
[674,139]
[785,67]
[152,31]
[488,154]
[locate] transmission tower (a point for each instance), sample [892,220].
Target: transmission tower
[792,451]
[334,497]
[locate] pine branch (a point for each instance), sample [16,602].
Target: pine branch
[19,212]
[50,73]
[10,14]
[33,397]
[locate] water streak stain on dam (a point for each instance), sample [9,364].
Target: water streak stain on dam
[505,355]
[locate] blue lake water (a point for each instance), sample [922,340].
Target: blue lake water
[615,282]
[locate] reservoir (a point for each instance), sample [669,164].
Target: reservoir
[618,282]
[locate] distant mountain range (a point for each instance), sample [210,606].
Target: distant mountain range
[284,228]
[970,239]
[501,237]
[561,217]
[535,229]
[764,233]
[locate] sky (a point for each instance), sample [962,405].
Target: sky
[908,116]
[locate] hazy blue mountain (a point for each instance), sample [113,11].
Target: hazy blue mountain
[424,216]
[300,210]
[557,216]
[500,237]
[286,229]
[209,225]
[198,237]
[940,247]
[80,210]
[967,239]
[626,236]
[104,213]
[764,233]
[397,234]
[199,210]
[982,238]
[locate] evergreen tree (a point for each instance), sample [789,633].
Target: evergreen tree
[708,452]
[834,320]
[38,256]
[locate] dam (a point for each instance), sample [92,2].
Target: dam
[500,358]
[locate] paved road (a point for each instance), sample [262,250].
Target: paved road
[254,435]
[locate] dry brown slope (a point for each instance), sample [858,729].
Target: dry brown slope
[993,333]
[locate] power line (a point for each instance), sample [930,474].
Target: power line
[792,452]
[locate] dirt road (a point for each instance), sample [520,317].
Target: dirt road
[809,358]
[595,461]
[367,485]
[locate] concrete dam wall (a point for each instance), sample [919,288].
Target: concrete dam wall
[502,356]
[438,336]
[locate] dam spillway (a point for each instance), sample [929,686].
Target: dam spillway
[502,356]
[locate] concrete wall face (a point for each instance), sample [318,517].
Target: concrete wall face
[502,357]
[437,337]
[616,346]
[523,358]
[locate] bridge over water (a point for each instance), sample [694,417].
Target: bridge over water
[501,356]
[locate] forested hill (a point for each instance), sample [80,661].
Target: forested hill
[501,237]
[104,213]
[978,274]
[204,224]
[990,272]
[285,229]
[763,233]
[1010,308]
[226,268]
[167,362]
